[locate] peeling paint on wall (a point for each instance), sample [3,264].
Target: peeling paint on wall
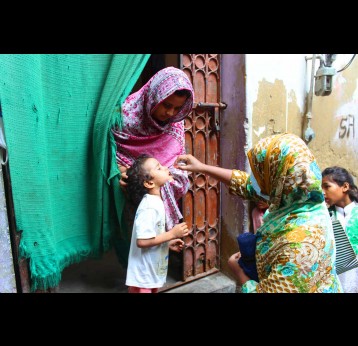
[275,111]
[259,131]
[269,109]
[277,87]
[336,123]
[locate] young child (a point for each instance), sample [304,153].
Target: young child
[341,196]
[258,213]
[150,243]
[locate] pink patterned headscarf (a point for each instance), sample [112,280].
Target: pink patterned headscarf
[141,134]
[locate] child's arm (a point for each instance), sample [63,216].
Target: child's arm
[178,231]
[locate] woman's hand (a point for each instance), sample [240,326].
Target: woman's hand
[236,268]
[236,256]
[124,175]
[188,163]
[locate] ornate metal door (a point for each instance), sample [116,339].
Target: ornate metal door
[201,204]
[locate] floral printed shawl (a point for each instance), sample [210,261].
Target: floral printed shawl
[295,249]
[141,134]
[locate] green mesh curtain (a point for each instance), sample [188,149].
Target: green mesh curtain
[58,111]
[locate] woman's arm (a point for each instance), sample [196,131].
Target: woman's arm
[190,163]
[237,181]
[238,272]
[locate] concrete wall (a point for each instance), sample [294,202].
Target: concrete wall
[277,87]
[335,120]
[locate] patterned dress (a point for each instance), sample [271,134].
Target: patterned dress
[295,249]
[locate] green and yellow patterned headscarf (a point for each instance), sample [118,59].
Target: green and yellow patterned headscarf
[285,170]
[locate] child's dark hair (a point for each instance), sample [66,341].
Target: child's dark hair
[183,92]
[136,177]
[340,176]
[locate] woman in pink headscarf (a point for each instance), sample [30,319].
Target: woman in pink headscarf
[153,124]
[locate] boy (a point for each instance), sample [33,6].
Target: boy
[149,250]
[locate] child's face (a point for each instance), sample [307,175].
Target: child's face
[169,107]
[160,174]
[333,193]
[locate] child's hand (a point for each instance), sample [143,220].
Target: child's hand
[176,245]
[180,230]
[262,205]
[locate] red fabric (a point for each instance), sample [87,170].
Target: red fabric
[132,289]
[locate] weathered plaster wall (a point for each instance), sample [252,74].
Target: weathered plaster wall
[335,120]
[276,87]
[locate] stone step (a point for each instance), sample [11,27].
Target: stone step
[215,283]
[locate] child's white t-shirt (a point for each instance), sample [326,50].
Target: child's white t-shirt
[148,267]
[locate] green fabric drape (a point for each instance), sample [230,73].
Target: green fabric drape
[57,112]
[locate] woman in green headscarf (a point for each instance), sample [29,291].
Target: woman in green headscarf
[295,248]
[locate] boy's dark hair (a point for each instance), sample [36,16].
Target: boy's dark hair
[136,177]
[340,176]
[183,92]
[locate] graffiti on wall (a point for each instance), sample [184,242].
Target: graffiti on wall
[347,126]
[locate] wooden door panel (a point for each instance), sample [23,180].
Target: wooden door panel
[201,205]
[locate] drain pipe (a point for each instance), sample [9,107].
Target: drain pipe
[309,133]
